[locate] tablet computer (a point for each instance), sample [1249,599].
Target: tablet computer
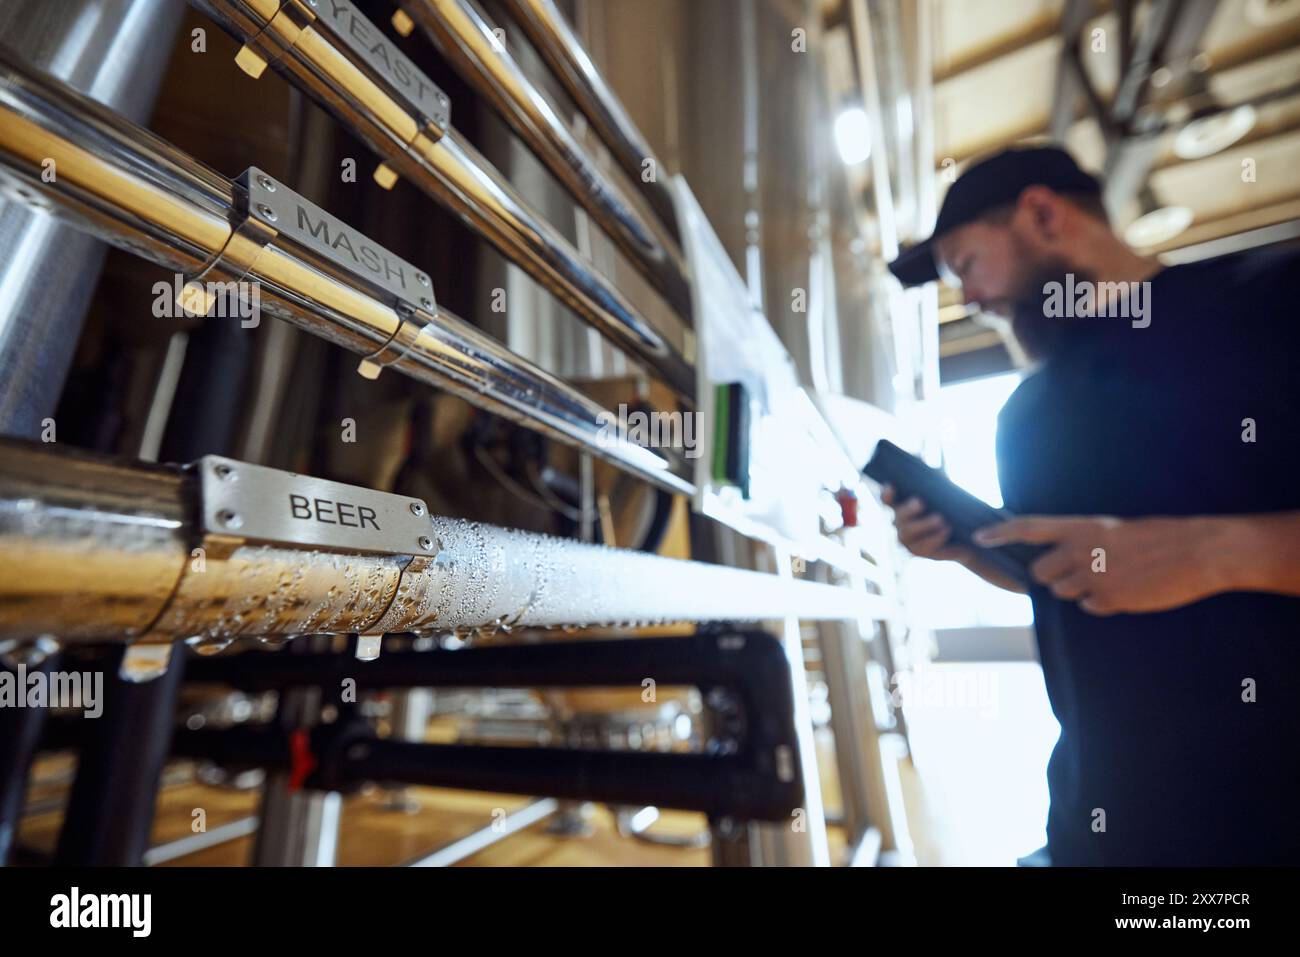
[964,513]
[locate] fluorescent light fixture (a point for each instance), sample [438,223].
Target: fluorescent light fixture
[853,135]
[1212,134]
[1158,226]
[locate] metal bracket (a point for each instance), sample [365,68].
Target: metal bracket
[235,261]
[145,661]
[243,502]
[282,214]
[286,24]
[402,79]
[412,325]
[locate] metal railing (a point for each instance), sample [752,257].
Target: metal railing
[468,40]
[137,191]
[316,57]
[555,40]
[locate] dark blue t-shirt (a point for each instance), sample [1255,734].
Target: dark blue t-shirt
[1148,422]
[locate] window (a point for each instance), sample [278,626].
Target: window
[943,594]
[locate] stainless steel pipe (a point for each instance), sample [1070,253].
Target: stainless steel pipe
[290,37]
[465,35]
[91,549]
[124,184]
[555,40]
[108,50]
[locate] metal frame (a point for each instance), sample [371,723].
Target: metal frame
[110,811]
[750,769]
[470,844]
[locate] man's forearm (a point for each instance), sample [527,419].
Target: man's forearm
[1254,552]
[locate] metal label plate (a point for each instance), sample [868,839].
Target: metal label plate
[369,43]
[268,505]
[275,204]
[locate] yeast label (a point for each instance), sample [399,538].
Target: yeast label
[365,40]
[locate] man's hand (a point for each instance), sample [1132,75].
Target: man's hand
[1112,565]
[923,533]
[926,534]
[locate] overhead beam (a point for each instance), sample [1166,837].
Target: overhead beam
[1040,29]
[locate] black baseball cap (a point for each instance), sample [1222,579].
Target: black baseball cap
[991,183]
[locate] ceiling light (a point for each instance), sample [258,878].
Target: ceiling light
[1158,223]
[853,135]
[1214,132]
[1158,226]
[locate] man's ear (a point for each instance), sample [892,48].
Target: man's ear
[1045,211]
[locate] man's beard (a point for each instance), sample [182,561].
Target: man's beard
[1041,334]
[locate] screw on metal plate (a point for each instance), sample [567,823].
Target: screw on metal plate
[267,183]
[266,211]
[426,543]
[224,472]
[229,519]
[417,508]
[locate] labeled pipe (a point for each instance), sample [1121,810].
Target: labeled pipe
[137,191]
[436,158]
[93,549]
[555,40]
[465,35]
[107,49]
